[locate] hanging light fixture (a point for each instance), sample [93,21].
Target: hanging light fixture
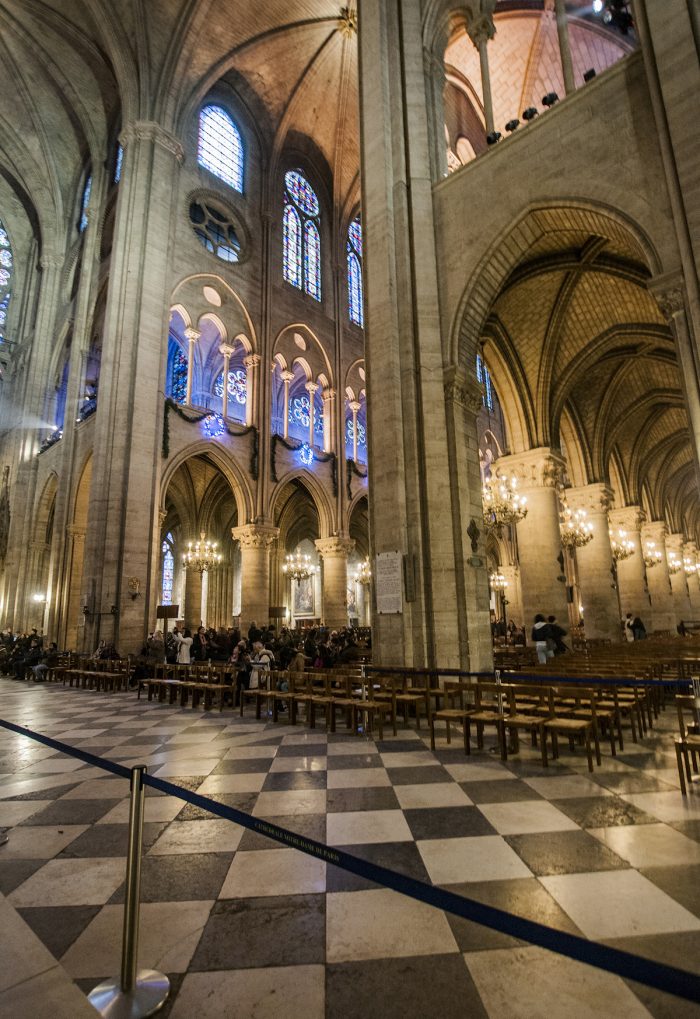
[201,555]
[501,502]
[674,563]
[652,555]
[299,567]
[498,582]
[576,529]
[363,573]
[689,565]
[622,547]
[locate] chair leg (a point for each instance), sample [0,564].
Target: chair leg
[680,763]
[596,741]
[501,730]
[588,750]
[432,734]
[543,746]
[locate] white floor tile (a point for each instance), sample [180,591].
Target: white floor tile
[431,794]
[368,826]
[526,817]
[215,836]
[273,872]
[479,858]
[358,778]
[649,845]
[292,991]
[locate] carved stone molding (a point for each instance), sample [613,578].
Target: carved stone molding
[669,291]
[675,542]
[149,131]
[536,468]
[335,547]
[461,388]
[75,532]
[192,334]
[596,498]
[480,27]
[629,518]
[260,536]
[252,361]
[226,350]
[655,530]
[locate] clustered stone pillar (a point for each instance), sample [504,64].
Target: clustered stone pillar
[631,573]
[192,336]
[663,615]
[251,364]
[690,551]
[193,600]
[480,29]
[256,541]
[542,577]
[334,552]
[594,561]
[679,586]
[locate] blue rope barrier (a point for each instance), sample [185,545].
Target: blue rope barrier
[624,964]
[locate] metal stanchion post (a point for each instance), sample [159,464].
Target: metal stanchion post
[137,993]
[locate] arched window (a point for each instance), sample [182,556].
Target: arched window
[300,417]
[301,257]
[483,376]
[177,374]
[168,575]
[354,248]
[118,164]
[219,147]
[6,267]
[83,222]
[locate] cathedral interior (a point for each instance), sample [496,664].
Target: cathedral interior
[407,290]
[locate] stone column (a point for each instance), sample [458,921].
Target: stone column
[328,397]
[513,593]
[287,378]
[663,613]
[540,553]
[690,551]
[679,586]
[334,552]
[354,407]
[251,364]
[480,29]
[227,350]
[74,621]
[193,600]
[192,336]
[631,573]
[256,542]
[599,597]
[311,388]
[564,47]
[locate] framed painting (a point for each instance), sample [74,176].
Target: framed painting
[303,597]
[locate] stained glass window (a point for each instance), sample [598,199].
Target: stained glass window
[6,267]
[215,230]
[483,376]
[220,148]
[84,204]
[168,569]
[361,433]
[236,385]
[301,256]
[118,164]
[178,376]
[300,413]
[354,249]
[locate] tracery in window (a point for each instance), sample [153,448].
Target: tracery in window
[83,222]
[6,267]
[168,575]
[236,385]
[219,146]
[301,256]
[118,164]
[483,376]
[354,252]
[177,388]
[215,230]
[300,416]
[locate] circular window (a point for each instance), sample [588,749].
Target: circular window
[215,230]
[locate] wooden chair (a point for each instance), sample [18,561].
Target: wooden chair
[556,724]
[489,704]
[454,691]
[687,744]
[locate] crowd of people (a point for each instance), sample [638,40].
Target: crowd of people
[23,655]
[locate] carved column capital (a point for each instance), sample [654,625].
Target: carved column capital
[328,395]
[311,388]
[226,350]
[669,291]
[335,547]
[192,334]
[675,543]
[595,498]
[260,536]
[251,361]
[655,530]
[75,532]
[629,518]
[150,131]
[287,376]
[535,468]
[480,27]
[462,388]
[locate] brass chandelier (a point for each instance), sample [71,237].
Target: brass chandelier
[652,555]
[201,555]
[363,573]
[621,546]
[299,567]
[502,505]
[576,529]
[674,563]
[689,566]
[498,582]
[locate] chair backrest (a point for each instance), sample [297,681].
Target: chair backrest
[690,705]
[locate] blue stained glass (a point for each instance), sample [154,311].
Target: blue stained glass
[301,192]
[355,235]
[292,247]
[178,377]
[236,385]
[300,413]
[3,309]
[4,277]
[214,426]
[168,570]
[361,432]
[118,164]
[6,258]
[220,148]
[483,375]
[4,239]
[306,455]
[312,260]
[355,289]
[6,266]
[84,204]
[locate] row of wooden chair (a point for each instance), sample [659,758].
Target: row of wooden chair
[687,743]
[105,675]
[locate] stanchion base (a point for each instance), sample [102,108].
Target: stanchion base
[148,996]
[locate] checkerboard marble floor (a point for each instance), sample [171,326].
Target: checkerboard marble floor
[244,927]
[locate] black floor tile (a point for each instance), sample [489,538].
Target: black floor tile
[420,775]
[400,746]
[109,840]
[402,857]
[352,761]
[271,931]
[564,852]
[245,766]
[447,822]
[313,826]
[505,791]
[241,801]
[59,926]
[635,782]
[679,950]
[533,769]
[524,897]
[371,798]
[279,780]
[71,812]
[602,811]
[14,872]
[681,883]
[689,828]
[414,988]
[46,794]
[190,877]
[308,749]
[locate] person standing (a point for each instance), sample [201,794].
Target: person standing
[627,627]
[184,644]
[541,637]
[639,631]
